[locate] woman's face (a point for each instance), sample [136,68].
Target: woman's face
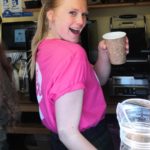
[67,20]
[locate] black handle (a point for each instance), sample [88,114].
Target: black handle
[0,19]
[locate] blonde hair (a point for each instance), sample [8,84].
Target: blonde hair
[42,29]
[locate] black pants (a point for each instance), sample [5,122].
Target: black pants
[99,136]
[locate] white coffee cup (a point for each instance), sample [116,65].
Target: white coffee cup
[115,42]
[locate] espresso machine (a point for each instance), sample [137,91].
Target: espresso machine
[131,79]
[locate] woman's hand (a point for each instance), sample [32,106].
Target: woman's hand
[103,66]
[102,48]
[127,46]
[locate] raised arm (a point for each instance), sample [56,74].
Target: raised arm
[102,66]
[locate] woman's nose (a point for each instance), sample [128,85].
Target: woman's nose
[81,20]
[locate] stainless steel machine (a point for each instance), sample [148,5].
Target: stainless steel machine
[131,79]
[129,86]
[135,27]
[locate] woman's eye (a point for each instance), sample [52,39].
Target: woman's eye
[85,15]
[73,13]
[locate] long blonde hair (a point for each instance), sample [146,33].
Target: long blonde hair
[42,29]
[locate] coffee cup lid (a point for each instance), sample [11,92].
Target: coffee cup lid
[114,35]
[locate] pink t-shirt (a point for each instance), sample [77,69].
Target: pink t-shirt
[62,67]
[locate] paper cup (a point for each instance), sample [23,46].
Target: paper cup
[115,42]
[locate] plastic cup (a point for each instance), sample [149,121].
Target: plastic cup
[115,42]
[134,120]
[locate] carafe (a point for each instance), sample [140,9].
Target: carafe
[23,77]
[134,120]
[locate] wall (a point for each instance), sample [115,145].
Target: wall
[102,15]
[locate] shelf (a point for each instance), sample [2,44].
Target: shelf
[27,129]
[92,6]
[143,3]
[26,105]
[30,107]
[110,5]
[37,128]
[99,5]
[31,10]
[18,19]
[114,5]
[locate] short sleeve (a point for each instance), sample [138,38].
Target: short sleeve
[69,76]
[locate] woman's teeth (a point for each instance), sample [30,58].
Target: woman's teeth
[75,31]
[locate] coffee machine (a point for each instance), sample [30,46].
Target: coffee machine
[131,79]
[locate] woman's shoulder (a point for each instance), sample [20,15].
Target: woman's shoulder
[58,43]
[60,46]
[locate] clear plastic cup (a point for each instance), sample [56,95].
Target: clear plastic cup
[134,120]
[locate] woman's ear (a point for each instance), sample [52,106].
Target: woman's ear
[50,15]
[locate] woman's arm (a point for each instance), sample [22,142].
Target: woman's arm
[102,66]
[68,111]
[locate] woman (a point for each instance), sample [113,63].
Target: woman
[8,98]
[71,101]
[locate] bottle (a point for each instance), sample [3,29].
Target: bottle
[16,79]
[23,77]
